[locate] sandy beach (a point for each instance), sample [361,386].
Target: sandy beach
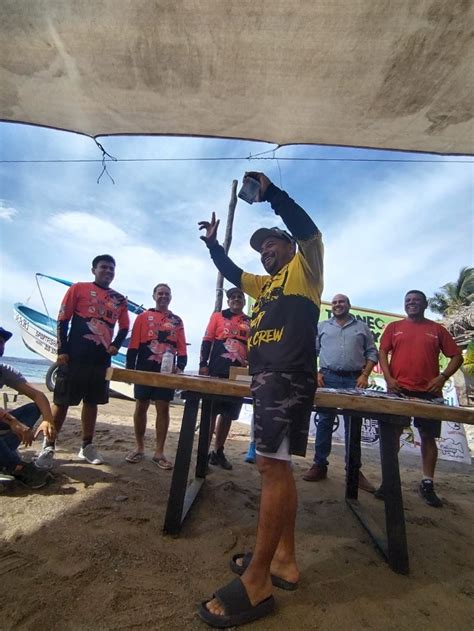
[88,552]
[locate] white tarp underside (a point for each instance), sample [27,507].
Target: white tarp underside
[370,73]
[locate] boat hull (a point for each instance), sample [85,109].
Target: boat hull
[38,333]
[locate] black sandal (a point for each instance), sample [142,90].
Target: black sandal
[237,607]
[239,568]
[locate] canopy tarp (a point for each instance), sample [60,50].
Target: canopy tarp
[391,74]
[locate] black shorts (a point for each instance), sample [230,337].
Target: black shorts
[427,428]
[150,393]
[81,382]
[282,404]
[227,406]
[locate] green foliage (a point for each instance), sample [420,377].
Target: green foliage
[454,295]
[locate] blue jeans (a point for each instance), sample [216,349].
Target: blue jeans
[28,415]
[325,423]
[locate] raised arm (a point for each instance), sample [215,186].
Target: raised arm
[299,223]
[224,264]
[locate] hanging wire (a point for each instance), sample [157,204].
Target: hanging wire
[233,159]
[278,165]
[105,154]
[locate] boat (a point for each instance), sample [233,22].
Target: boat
[38,333]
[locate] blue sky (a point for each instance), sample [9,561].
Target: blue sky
[387,226]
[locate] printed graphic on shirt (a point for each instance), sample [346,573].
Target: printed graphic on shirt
[154,333]
[92,312]
[285,313]
[225,342]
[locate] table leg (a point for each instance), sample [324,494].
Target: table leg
[352,467]
[179,481]
[203,444]
[397,550]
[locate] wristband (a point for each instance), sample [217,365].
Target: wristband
[444,375]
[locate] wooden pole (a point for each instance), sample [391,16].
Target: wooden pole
[226,244]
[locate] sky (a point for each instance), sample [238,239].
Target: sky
[388,226]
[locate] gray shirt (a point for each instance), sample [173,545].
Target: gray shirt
[10,377]
[347,347]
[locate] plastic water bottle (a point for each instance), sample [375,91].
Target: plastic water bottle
[167,362]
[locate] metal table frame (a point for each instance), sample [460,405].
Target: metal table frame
[392,544]
[182,497]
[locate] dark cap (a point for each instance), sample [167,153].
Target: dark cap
[261,234]
[234,290]
[5,334]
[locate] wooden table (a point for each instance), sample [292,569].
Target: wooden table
[195,389]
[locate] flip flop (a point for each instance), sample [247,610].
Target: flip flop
[239,569]
[135,456]
[237,607]
[162,463]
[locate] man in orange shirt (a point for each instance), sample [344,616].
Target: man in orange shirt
[85,349]
[224,345]
[155,332]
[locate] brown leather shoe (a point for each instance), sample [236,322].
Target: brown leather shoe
[316,473]
[364,484]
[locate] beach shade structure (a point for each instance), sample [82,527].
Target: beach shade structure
[378,73]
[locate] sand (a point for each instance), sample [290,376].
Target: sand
[88,552]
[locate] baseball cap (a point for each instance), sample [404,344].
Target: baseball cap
[233,290]
[5,334]
[261,234]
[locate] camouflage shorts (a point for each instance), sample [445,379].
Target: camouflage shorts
[282,404]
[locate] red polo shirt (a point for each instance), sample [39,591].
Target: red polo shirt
[415,348]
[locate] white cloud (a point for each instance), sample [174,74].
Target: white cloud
[383,234]
[7,213]
[397,236]
[85,227]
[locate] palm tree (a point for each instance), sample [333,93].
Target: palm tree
[455,295]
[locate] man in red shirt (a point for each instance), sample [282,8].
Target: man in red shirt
[155,332]
[224,345]
[86,322]
[415,344]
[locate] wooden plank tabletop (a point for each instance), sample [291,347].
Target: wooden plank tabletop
[323,399]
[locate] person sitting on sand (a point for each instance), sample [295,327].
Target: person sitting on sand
[155,332]
[16,426]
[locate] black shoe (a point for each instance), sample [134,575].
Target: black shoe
[428,494]
[32,477]
[379,493]
[218,459]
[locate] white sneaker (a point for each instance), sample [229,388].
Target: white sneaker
[90,454]
[45,459]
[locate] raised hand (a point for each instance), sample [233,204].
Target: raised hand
[264,182]
[211,230]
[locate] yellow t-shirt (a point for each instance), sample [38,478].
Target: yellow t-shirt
[285,314]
